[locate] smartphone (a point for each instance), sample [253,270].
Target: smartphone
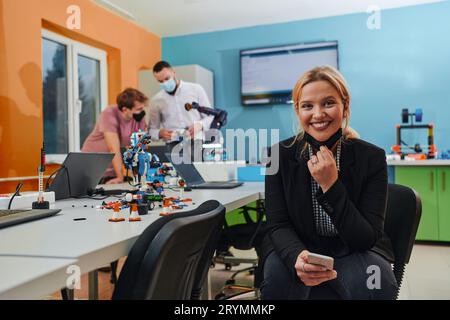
[321,260]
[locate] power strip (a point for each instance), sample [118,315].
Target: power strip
[25,200]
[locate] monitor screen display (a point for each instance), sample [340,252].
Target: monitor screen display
[268,75]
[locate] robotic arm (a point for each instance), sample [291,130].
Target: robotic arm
[220,116]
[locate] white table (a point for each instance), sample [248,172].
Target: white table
[95,242]
[30,278]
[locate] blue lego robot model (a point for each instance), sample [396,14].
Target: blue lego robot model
[142,163]
[146,174]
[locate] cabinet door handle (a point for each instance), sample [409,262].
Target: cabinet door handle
[432,181]
[443,180]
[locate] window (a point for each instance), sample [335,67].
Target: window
[56,134]
[74,93]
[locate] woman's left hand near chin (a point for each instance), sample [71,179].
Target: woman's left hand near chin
[322,167]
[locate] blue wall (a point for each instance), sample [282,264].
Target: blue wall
[404,64]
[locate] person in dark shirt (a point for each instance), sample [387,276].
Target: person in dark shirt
[328,196]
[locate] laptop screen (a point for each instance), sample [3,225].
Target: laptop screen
[82,171]
[188,172]
[161,152]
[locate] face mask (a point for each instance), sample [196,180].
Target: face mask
[317,144]
[169,86]
[139,116]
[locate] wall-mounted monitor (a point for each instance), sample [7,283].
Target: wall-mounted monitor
[268,75]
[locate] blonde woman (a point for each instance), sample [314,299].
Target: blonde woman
[328,197]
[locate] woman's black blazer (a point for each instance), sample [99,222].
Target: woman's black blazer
[356,203]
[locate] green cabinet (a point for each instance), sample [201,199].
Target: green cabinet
[444,202]
[424,181]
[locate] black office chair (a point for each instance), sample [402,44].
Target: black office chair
[245,236]
[206,261]
[169,259]
[404,209]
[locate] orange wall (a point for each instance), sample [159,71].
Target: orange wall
[130,49]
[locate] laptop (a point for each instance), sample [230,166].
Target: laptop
[161,152]
[195,181]
[80,173]
[12,217]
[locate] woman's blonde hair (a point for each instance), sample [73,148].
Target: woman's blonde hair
[335,78]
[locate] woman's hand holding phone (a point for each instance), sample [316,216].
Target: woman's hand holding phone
[312,274]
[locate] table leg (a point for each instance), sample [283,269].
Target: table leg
[67,294]
[93,285]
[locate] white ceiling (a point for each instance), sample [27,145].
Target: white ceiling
[180,17]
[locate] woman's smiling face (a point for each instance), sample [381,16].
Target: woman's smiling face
[320,110]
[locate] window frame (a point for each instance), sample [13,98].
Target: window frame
[73,49]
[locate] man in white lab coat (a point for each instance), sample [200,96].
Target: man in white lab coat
[167,108]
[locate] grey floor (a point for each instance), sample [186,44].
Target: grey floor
[427,275]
